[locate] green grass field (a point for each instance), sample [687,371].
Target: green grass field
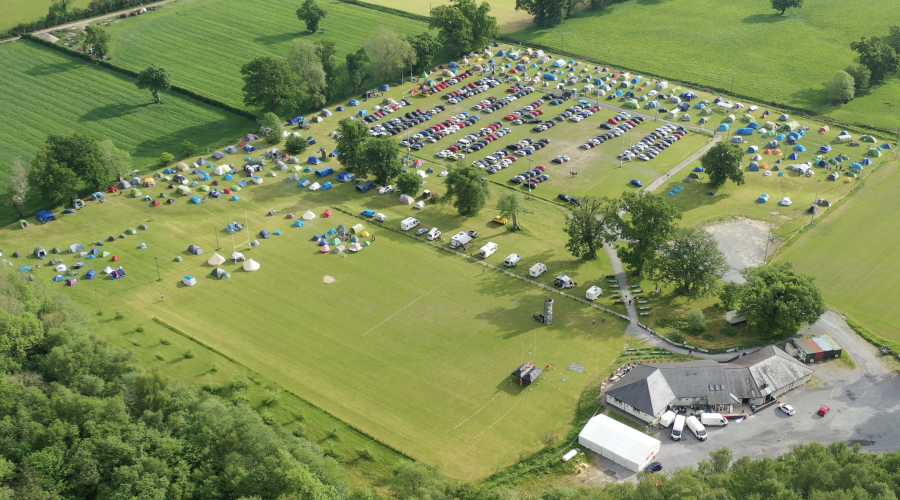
[851,253]
[48,93]
[17,11]
[749,40]
[505,11]
[229,33]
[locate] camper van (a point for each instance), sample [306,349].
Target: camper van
[710,419]
[461,239]
[593,292]
[537,270]
[434,234]
[667,419]
[409,223]
[488,250]
[512,260]
[696,427]
[678,427]
[564,281]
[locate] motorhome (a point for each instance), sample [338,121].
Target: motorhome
[512,260]
[488,250]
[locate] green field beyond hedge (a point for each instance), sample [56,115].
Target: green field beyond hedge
[204,43]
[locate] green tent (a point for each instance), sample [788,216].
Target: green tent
[706,111]
[131,230]
[336,241]
[23,224]
[671,115]
[178,259]
[771,126]
[867,138]
[423,75]
[747,118]
[203,188]
[221,273]
[184,190]
[843,139]
[630,104]
[104,254]
[136,192]
[788,126]
[874,152]
[235,188]
[851,173]
[770,133]
[729,119]
[367,243]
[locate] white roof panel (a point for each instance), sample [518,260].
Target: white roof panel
[631,444]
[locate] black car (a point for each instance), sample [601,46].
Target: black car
[654,467]
[575,201]
[564,197]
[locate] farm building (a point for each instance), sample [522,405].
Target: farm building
[815,349]
[618,442]
[647,391]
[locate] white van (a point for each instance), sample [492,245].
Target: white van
[593,292]
[512,260]
[488,250]
[537,270]
[709,419]
[678,427]
[696,427]
[434,234]
[666,419]
[409,223]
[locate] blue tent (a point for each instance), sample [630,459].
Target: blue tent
[780,137]
[45,216]
[345,177]
[653,104]
[312,160]
[753,149]
[550,76]
[857,166]
[362,112]
[698,169]
[744,131]
[791,141]
[339,108]
[501,53]
[866,161]
[332,232]
[324,171]
[195,200]
[327,186]
[764,198]
[58,278]
[307,170]
[315,237]
[688,95]
[353,102]
[793,156]
[323,242]
[242,183]
[204,176]
[753,125]
[264,234]
[168,171]
[800,147]
[636,80]
[298,223]
[90,275]
[825,148]
[228,177]
[384,87]
[249,148]
[754,167]
[25,268]
[454,64]
[235,198]
[520,67]
[724,127]
[795,135]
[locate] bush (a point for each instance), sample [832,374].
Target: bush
[696,320]
[677,337]
[165,159]
[271,397]
[273,139]
[160,357]
[119,315]
[366,453]
[188,353]
[188,149]
[165,341]
[140,327]
[295,145]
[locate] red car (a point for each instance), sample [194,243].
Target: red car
[613,121]
[823,410]
[541,168]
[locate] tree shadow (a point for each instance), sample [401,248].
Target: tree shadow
[279,38]
[51,69]
[111,111]
[763,18]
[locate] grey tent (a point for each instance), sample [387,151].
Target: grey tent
[40,253]
[124,185]
[694,175]
[195,250]
[264,234]
[833,176]
[136,181]
[79,264]
[221,273]
[56,250]
[737,139]
[202,161]
[813,209]
[342,229]
[76,247]
[281,165]
[218,155]
[272,212]
[231,150]
[326,113]
[55,262]
[293,178]
[773,144]
[822,202]
[144,227]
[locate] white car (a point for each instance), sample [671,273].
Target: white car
[380,217]
[385,189]
[443,154]
[785,202]
[788,409]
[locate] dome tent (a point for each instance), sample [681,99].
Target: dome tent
[189,281]
[221,273]
[194,250]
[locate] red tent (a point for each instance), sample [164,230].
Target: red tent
[155,203]
[227,191]
[115,258]
[112,189]
[327,214]
[215,183]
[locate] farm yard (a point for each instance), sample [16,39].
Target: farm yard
[173,36]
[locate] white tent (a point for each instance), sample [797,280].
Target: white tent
[407,199]
[61,268]
[222,170]
[108,270]
[216,260]
[236,256]
[618,442]
[355,247]
[308,215]
[189,281]
[251,265]
[315,186]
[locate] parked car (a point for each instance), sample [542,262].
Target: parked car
[421,231]
[788,409]
[823,410]
[654,467]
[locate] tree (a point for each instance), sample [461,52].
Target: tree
[79,153]
[894,38]
[165,159]
[467,190]
[730,295]
[784,5]
[268,82]
[271,128]
[723,162]
[118,160]
[464,26]
[861,74]
[295,145]
[696,320]
[325,51]
[409,183]
[96,38]
[648,223]
[546,13]
[383,156]
[425,46]
[591,225]
[310,76]
[350,141]
[188,149]
[356,68]
[389,51]
[879,57]
[18,186]
[841,88]
[511,205]
[778,299]
[154,79]
[55,182]
[691,261]
[311,14]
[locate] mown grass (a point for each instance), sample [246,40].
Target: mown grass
[49,93]
[19,11]
[229,33]
[505,11]
[851,253]
[747,40]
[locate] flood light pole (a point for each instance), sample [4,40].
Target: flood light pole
[157,269]
[813,220]
[766,256]
[98,302]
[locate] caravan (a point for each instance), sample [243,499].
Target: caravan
[537,270]
[434,234]
[488,250]
[409,223]
[460,240]
[512,260]
[593,292]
